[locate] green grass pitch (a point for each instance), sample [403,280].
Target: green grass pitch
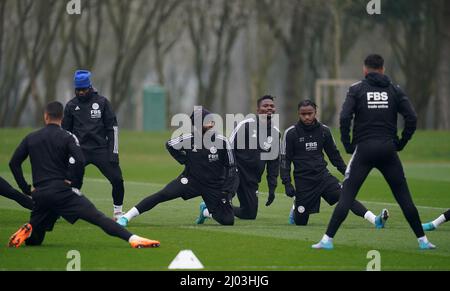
[268,243]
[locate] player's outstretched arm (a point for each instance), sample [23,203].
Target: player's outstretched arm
[15,165]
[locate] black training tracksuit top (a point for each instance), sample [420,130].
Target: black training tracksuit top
[50,149]
[249,161]
[377,101]
[213,167]
[303,146]
[94,123]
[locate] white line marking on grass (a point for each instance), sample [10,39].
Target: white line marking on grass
[396,205]
[97,180]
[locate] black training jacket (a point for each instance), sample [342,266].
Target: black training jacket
[374,103]
[211,166]
[248,150]
[50,149]
[304,146]
[94,123]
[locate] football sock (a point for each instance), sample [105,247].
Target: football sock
[206,213]
[423,239]
[369,216]
[438,221]
[326,238]
[117,209]
[131,214]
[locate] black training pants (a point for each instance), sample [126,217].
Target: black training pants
[382,155]
[301,217]
[218,204]
[57,199]
[9,192]
[447,215]
[247,193]
[112,172]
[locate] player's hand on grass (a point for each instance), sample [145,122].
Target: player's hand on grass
[289,190]
[271,197]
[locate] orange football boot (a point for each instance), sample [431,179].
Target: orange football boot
[17,239]
[141,242]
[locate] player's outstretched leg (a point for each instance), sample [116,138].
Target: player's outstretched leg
[9,192]
[432,225]
[172,191]
[90,214]
[125,219]
[360,210]
[203,215]
[429,226]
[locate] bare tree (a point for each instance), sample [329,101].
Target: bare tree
[37,37]
[11,63]
[3,99]
[443,78]
[53,65]
[134,24]
[86,33]
[289,21]
[337,28]
[213,29]
[413,31]
[2,27]
[167,34]
[260,57]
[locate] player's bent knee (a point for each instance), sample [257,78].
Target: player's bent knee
[301,223]
[301,220]
[228,221]
[249,216]
[253,213]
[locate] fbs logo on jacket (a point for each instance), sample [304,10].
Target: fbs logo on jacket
[96,112]
[311,146]
[377,100]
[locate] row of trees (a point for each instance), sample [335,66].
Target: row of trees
[132,41]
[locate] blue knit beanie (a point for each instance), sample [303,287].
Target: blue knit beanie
[82,79]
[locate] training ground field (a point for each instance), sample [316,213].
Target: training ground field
[268,243]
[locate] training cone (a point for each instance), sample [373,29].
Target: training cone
[185,260]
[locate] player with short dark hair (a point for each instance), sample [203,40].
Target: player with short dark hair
[373,104]
[374,62]
[6,190]
[50,150]
[90,117]
[210,172]
[250,162]
[432,225]
[304,145]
